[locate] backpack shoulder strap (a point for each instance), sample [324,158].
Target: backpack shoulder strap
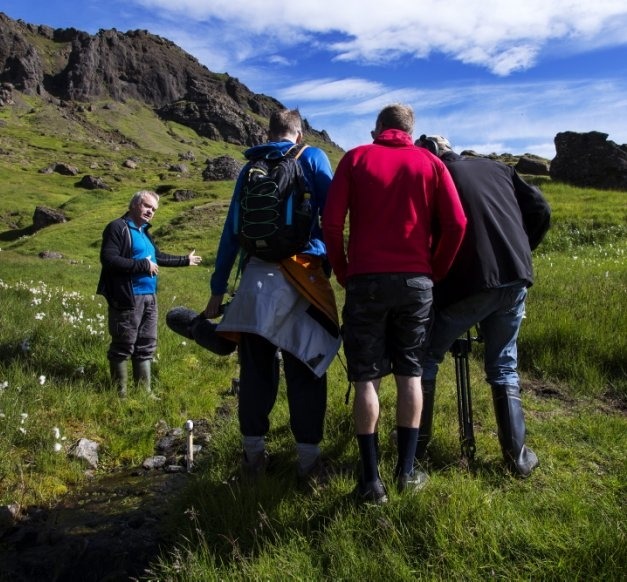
[296,150]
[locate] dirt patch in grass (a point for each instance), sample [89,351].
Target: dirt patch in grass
[112,529]
[550,390]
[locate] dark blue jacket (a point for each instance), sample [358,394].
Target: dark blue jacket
[118,266]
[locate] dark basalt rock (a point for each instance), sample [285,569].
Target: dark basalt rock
[589,160]
[222,168]
[44,216]
[533,166]
[92,183]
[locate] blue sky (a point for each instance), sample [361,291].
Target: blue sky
[491,75]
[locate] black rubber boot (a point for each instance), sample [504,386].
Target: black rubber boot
[119,376]
[511,429]
[426,419]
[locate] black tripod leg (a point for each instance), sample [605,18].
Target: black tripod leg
[468,442]
[464,399]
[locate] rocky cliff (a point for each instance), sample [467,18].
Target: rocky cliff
[69,65]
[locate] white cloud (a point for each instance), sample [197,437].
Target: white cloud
[502,37]
[318,55]
[280,60]
[489,117]
[331,90]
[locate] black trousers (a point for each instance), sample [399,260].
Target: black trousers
[259,385]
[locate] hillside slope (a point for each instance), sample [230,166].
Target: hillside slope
[69,67]
[129,109]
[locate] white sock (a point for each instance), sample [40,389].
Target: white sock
[307,455]
[253,446]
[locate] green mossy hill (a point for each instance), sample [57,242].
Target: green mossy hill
[127,111]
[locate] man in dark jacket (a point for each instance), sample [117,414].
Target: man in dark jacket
[128,280]
[487,285]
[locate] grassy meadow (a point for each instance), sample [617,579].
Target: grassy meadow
[566,522]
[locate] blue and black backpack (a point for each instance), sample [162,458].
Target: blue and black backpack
[275,212]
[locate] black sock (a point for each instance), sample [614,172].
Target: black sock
[406,439]
[368,452]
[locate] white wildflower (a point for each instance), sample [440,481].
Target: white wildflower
[4,385]
[56,432]
[57,447]
[22,430]
[40,315]
[24,416]
[42,380]
[3,415]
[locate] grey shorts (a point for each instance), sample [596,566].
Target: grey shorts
[386,321]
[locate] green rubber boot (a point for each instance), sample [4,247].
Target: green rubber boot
[142,375]
[119,376]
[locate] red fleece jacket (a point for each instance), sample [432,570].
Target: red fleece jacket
[404,211]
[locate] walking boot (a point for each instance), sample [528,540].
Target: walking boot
[141,375]
[426,420]
[119,376]
[511,429]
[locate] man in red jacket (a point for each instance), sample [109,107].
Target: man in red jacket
[406,225]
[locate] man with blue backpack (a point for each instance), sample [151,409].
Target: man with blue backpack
[284,308]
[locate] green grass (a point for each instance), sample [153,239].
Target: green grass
[565,522]
[584,344]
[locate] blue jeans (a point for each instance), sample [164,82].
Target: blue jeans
[499,313]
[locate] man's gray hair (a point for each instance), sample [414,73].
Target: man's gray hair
[396,116]
[139,196]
